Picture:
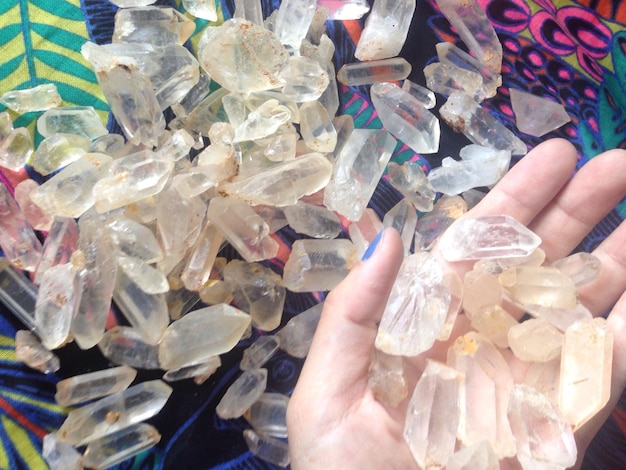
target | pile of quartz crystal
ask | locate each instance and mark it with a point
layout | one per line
(138, 222)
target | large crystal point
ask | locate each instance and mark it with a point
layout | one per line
(297, 335)
(385, 30)
(57, 151)
(365, 73)
(17, 238)
(125, 346)
(39, 98)
(18, 294)
(243, 228)
(80, 120)
(543, 436)
(417, 308)
(358, 169)
(314, 221)
(585, 383)
(243, 392)
(61, 242)
(114, 412)
(318, 265)
(85, 387)
(129, 92)
(293, 20)
(465, 115)
(535, 115)
(120, 445)
(153, 25)
(30, 351)
(494, 236)
(242, 56)
(406, 118)
(433, 415)
(475, 29)
(201, 334)
(412, 182)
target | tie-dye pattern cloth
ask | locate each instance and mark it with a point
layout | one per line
(573, 52)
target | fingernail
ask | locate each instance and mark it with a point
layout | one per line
(372, 247)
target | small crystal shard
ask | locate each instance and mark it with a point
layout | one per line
(535, 340)
(30, 351)
(268, 415)
(115, 412)
(267, 448)
(118, 446)
(318, 265)
(433, 415)
(125, 346)
(81, 120)
(535, 115)
(403, 218)
(495, 236)
(314, 221)
(412, 182)
(60, 455)
(585, 383)
(85, 387)
(201, 334)
(386, 378)
(297, 335)
(539, 285)
(365, 73)
(39, 98)
(244, 391)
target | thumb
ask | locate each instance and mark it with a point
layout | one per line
(339, 357)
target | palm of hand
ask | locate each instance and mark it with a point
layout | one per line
(334, 420)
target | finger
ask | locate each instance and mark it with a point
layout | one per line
(600, 294)
(340, 352)
(583, 202)
(532, 183)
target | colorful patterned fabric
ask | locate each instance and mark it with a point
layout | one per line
(571, 51)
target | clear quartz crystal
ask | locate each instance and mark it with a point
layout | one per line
(580, 267)
(201, 334)
(386, 29)
(495, 323)
(203, 369)
(386, 378)
(357, 171)
(318, 265)
(60, 455)
(316, 127)
(116, 447)
(204, 9)
(267, 448)
(305, 79)
(544, 377)
(124, 345)
(539, 285)
(16, 149)
(297, 335)
(535, 115)
(243, 392)
(85, 387)
(477, 456)
(36, 217)
(433, 415)
(153, 25)
(202, 257)
(406, 118)
(293, 20)
(412, 182)
(39, 98)
(18, 294)
(314, 221)
(81, 120)
(403, 218)
(30, 351)
(259, 352)
(149, 279)
(365, 73)
(363, 231)
(344, 9)
(61, 242)
(446, 79)
(249, 10)
(465, 115)
(535, 340)
(482, 291)
(417, 308)
(268, 415)
(57, 151)
(115, 412)
(420, 93)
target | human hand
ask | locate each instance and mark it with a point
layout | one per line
(333, 418)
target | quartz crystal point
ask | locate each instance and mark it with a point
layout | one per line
(535, 340)
(363, 231)
(585, 383)
(453, 282)
(181, 301)
(249, 10)
(204, 369)
(145, 312)
(472, 25)
(543, 436)
(316, 128)
(406, 118)
(263, 121)
(148, 279)
(16, 149)
(344, 125)
(465, 115)
(202, 257)
(429, 229)
(39, 98)
(268, 415)
(204, 9)
(201, 334)
(580, 267)
(386, 29)
(258, 291)
(494, 236)
(61, 242)
(131, 179)
(244, 229)
(495, 323)
(357, 171)
(482, 291)
(259, 352)
(60, 455)
(36, 217)
(318, 265)
(243, 392)
(477, 456)
(129, 92)
(535, 115)
(118, 446)
(386, 378)
(403, 218)
(283, 184)
(30, 351)
(57, 302)
(18, 294)
(297, 335)
(484, 394)
(267, 448)
(412, 182)
(134, 239)
(215, 292)
(115, 412)
(420, 93)
(561, 318)
(242, 56)
(305, 79)
(57, 151)
(433, 415)
(365, 73)
(344, 9)
(70, 193)
(293, 20)
(80, 120)
(314, 221)
(447, 79)
(125, 346)
(539, 285)
(17, 238)
(417, 308)
(153, 25)
(545, 377)
(85, 387)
